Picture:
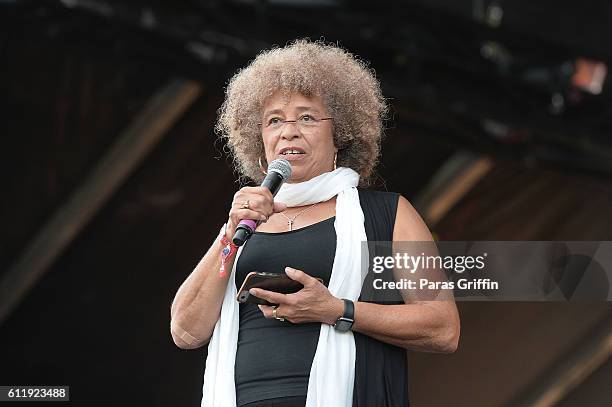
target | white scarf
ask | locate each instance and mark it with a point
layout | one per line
(333, 368)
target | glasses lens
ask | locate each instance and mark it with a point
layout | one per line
(307, 121)
(305, 124)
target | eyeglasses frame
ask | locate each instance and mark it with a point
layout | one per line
(261, 125)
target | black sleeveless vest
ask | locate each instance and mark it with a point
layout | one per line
(381, 369)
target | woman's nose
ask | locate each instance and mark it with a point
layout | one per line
(290, 131)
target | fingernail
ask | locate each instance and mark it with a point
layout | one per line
(289, 270)
(252, 291)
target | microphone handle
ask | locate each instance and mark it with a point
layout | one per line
(273, 182)
(243, 232)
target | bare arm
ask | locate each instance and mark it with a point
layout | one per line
(427, 326)
(197, 304)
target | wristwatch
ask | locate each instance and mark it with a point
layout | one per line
(345, 322)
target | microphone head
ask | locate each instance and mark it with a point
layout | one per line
(281, 167)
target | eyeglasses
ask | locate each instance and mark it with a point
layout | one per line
(306, 123)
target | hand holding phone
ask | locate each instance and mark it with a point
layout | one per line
(277, 282)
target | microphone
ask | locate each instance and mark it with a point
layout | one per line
(279, 171)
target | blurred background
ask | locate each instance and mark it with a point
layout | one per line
(115, 184)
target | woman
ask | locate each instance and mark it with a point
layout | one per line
(321, 109)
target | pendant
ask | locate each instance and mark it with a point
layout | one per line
(290, 222)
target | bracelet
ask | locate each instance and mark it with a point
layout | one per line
(229, 249)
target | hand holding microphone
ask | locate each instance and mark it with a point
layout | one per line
(252, 205)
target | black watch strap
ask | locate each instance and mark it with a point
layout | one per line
(345, 322)
(349, 309)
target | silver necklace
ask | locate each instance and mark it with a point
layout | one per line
(291, 220)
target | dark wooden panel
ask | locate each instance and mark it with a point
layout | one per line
(504, 347)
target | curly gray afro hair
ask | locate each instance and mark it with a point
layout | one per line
(348, 88)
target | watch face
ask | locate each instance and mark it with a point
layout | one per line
(343, 324)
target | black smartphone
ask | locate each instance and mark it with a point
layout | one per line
(277, 282)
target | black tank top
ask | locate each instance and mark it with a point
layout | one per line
(273, 358)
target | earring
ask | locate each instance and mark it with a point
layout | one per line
(335, 159)
(261, 167)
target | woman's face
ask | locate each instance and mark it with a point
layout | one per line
(308, 143)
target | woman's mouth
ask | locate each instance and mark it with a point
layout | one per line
(291, 153)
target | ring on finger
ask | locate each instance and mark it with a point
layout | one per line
(274, 314)
(245, 205)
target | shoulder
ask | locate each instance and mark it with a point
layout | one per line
(379, 210)
(372, 196)
(408, 223)
(390, 216)
(379, 203)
